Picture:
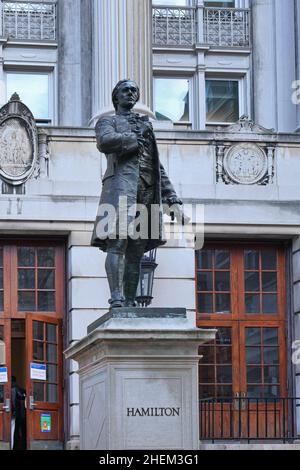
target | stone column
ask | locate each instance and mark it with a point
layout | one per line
(74, 62)
(122, 49)
(297, 77)
(274, 64)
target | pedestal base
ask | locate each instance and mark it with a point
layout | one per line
(138, 373)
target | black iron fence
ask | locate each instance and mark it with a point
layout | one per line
(249, 419)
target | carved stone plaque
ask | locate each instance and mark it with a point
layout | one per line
(245, 163)
(15, 148)
(18, 142)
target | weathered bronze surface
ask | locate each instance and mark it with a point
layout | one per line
(135, 172)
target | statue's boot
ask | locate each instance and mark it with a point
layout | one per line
(131, 280)
(114, 266)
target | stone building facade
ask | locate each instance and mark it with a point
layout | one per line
(233, 145)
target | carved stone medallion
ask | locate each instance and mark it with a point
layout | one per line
(18, 142)
(245, 163)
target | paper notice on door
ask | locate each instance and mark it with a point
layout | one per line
(45, 423)
(3, 375)
(38, 371)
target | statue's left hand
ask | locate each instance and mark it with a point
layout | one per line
(177, 212)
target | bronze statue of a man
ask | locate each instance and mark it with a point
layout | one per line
(135, 172)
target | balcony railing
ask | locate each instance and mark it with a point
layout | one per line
(227, 27)
(186, 26)
(33, 20)
(250, 419)
(174, 26)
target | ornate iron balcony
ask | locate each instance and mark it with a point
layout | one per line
(186, 26)
(29, 20)
(227, 27)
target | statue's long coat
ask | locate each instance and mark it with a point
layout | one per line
(116, 139)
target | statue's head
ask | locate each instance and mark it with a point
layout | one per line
(126, 93)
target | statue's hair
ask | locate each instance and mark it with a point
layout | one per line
(117, 87)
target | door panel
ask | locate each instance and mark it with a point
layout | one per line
(5, 388)
(44, 405)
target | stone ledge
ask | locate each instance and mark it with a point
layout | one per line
(137, 313)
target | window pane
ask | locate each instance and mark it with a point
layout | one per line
(205, 281)
(252, 283)
(251, 259)
(51, 353)
(33, 90)
(270, 336)
(51, 393)
(205, 303)
(223, 336)
(51, 333)
(208, 355)
(205, 259)
(26, 301)
(271, 391)
(38, 391)
(271, 375)
(1, 393)
(46, 301)
(170, 2)
(254, 375)
(222, 303)
(207, 374)
(51, 373)
(268, 259)
(222, 101)
(224, 391)
(218, 3)
(1, 332)
(46, 279)
(271, 356)
(252, 303)
(1, 278)
(253, 336)
(26, 257)
(1, 256)
(253, 355)
(269, 282)
(224, 374)
(254, 391)
(38, 330)
(1, 301)
(206, 391)
(26, 279)
(38, 351)
(171, 99)
(46, 257)
(269, 304)
(224, 355)
(222, 259)
(222, 281)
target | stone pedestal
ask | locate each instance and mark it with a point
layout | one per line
(138, 372)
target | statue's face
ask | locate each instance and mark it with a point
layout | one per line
(127, 95)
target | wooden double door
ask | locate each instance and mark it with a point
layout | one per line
(242, 375)
(31, 312)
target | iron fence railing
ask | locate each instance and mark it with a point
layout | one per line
(249, 419)
(186, 26)
(34, 20)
